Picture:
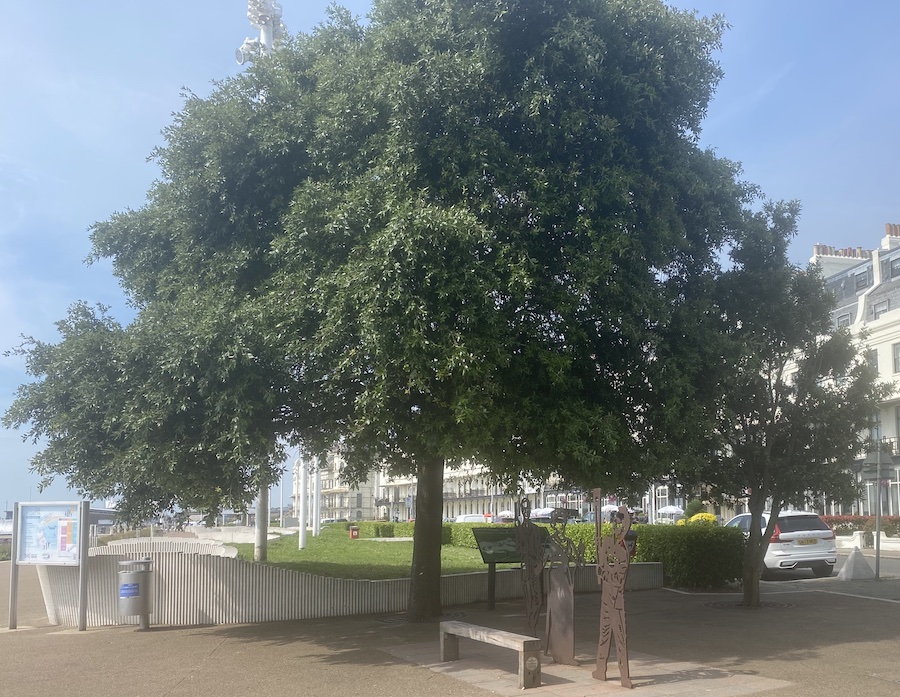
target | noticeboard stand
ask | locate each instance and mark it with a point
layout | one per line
(498, 546)
(492, 585)
(14, 572)
(29, 548)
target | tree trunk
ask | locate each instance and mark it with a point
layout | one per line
(756, 548)
(425, 575)
(260, 548)
(752, 570)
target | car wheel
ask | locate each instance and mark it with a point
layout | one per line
(823, 570)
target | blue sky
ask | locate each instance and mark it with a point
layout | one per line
(809, 105)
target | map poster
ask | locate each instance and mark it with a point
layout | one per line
(48, 533)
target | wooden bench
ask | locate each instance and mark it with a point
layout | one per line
(529, 647)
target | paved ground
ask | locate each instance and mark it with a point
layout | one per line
(812, 637)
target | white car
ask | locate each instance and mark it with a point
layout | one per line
(801, 540)
(471, 518)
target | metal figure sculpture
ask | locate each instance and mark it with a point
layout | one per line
(562, 553)
(531, 552)
(613, 559)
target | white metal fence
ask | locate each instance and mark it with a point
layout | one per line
(190, 588)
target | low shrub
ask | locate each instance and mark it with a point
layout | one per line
(848, 524)
(5, 550)
(375, 528)
(694, 507)
(890, 525)
(698, 557)
(461, 535)
(384, 528)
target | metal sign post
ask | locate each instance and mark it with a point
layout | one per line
(14, 570)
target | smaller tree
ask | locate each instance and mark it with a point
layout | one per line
(796, 395)
(175, 411)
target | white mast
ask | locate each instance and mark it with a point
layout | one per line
(264, 15)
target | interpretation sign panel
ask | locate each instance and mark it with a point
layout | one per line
(48, 533)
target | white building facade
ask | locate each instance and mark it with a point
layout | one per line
(468, 490)
(866, 285)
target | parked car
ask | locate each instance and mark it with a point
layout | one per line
(471, 518)
(800, 540)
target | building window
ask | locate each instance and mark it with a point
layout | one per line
(359, 500)
(843, 320)
(862, 280)
(895, 267)
(880, 308)
(872, 359)
(896, 351)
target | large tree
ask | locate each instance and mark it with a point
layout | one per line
(507, 241)
(796, 395)
(462, 230)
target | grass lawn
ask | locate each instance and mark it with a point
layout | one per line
(334, 554)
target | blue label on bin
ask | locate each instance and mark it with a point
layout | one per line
(129, 590)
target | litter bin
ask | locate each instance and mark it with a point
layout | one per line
(354, 532)
(134, 589)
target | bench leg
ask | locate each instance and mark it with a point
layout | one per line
(449, 647)
(529, 669)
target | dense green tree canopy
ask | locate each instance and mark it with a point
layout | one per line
(796, 398)
(463, 229)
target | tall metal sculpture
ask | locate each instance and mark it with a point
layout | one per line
(562, 553)
(613, 559)
(531, 552)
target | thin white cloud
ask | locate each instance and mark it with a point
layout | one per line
(749, 99)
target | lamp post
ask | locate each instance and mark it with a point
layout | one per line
(874, 458)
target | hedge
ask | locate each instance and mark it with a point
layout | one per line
(848, 524)
(697, 557)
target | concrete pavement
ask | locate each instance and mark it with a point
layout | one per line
(812, 637)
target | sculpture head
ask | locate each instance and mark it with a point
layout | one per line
(621, 523)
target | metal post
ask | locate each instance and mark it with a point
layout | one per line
(83, 547)
(14, 568)
(303, 498)
(878, 510)
(492, 585)
(317, 497)
(261, 529)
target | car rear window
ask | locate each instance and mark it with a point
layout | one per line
(795, 523)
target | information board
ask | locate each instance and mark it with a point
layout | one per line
(498, 544)
(48, 533)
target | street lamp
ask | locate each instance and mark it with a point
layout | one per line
(874, 458)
